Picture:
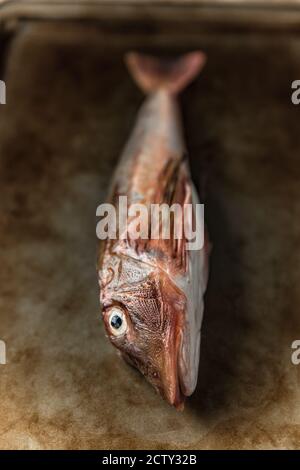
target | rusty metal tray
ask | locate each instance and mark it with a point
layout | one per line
(70, 106)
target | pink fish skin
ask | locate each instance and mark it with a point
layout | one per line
(151, 291)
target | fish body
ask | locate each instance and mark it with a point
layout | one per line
(151, 290)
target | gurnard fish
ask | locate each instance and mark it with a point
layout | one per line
(151, 291)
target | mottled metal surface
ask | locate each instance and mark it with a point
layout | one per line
(70, 106)
(211, 15)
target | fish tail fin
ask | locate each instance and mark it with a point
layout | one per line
(152, 73)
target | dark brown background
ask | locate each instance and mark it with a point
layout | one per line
(70, 107)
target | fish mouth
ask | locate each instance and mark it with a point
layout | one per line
(165, 379)
(170, 387)
(171, 391)
(163, 375)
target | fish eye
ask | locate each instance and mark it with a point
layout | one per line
(117, 321)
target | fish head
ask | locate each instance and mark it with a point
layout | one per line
(142, 311)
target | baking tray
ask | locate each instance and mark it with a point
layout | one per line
(70, 107)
